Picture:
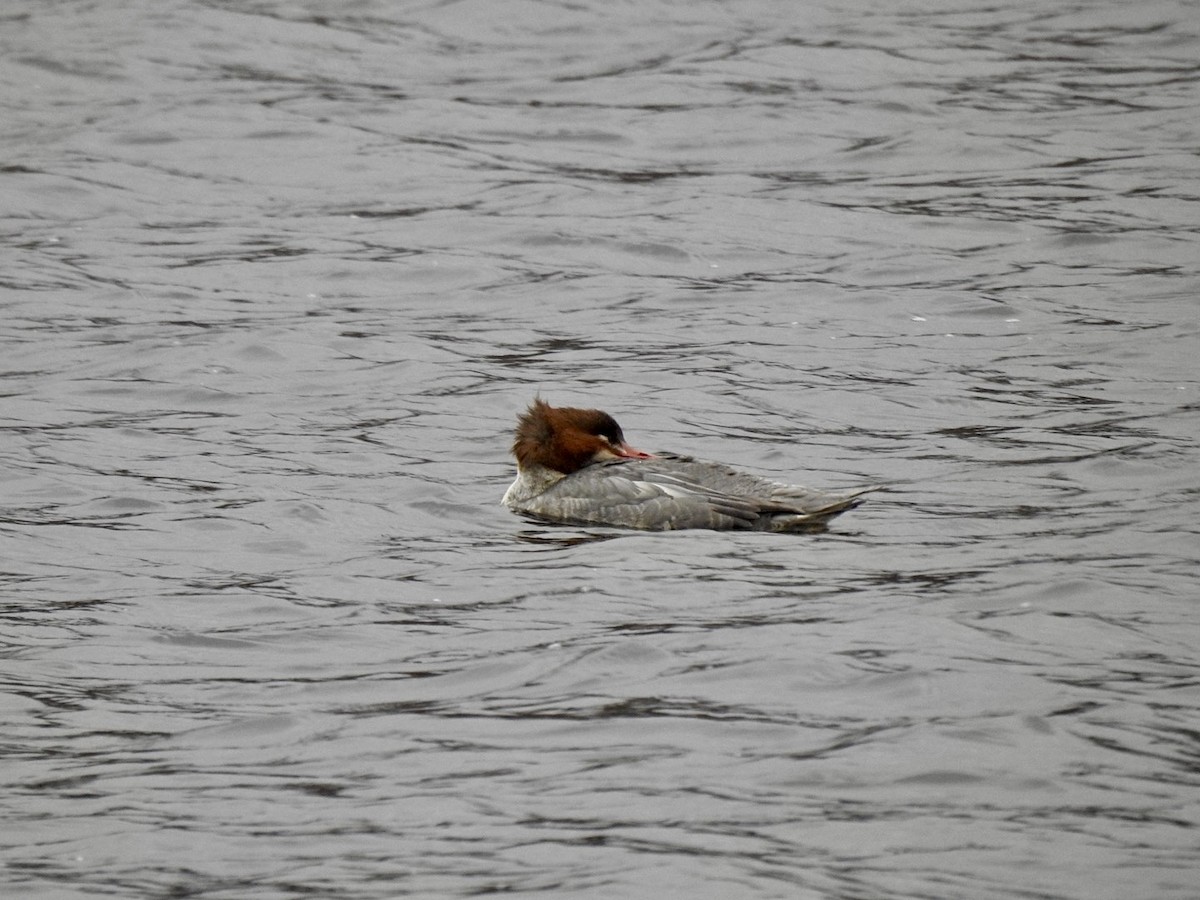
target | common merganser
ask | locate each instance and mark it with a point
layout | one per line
(574, 466)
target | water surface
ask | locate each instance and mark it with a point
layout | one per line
(277, 278)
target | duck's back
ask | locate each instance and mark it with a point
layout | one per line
(675, 492)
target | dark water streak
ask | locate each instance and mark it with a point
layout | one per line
(276, 278)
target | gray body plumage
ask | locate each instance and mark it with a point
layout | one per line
(673, 492)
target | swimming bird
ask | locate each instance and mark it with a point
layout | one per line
(574, 466)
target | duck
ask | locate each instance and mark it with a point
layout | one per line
(574, 467)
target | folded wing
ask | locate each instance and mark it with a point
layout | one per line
(672, 492)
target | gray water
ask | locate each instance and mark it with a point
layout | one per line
(277, 276)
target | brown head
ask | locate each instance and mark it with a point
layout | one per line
(566, 439)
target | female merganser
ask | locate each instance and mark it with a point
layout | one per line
(573, 466)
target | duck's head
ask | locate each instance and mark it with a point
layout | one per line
(566, 439)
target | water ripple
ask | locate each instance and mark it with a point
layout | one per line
(277, 280)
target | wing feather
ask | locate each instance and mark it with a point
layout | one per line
(671, 492)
